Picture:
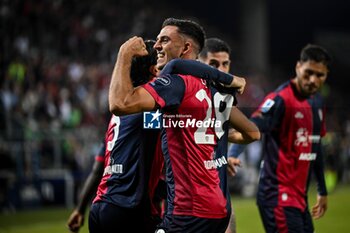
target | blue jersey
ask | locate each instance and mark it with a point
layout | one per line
(128, 160)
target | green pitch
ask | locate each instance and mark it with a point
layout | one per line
(337, 218)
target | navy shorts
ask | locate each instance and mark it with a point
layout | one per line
(286, 219)
(108, 218)
(190, 224)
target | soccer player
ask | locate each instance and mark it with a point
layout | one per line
(292, 119)
(194, 134)
(140, 73)
(122, 193)
(216, 53)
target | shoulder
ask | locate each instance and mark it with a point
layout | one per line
(167, 80)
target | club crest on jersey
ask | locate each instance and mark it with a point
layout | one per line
(267, 105)
(152, 120)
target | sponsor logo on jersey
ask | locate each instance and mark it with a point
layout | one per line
(215, 163)
(307, 156)
(304, 139)
(315, 138)
(163, 80)
(266, 106)
(299, 115)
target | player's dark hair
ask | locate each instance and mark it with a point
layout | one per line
(315, 53)
(214, 45)
(189, 28)
(140, 66)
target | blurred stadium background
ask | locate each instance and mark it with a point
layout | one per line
(56, 59)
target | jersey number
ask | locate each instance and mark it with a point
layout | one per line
(201, 136)
(115, 120)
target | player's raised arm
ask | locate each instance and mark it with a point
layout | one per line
(123, 97)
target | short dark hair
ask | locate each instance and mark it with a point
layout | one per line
(140, 66)
(312, 52)
(189, 28)
(214, 45)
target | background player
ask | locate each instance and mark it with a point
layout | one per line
(293, 122)
(216, 53)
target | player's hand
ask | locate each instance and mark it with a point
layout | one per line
(320, 208)
(134, 47)
(238, 83)
(233, 163)
(75, 221)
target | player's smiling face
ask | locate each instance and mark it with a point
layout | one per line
(310, 76)
(169, 45)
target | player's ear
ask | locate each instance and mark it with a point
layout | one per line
(186, 48)
(153, 71)
(297, 68)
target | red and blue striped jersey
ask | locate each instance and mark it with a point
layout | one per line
(293, 126)
(192, 130)
(128, 161)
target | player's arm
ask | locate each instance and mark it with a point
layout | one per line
(319, 209)
(264, 119)
(123, 97)
(76, 219)
(244, 131)
(204, 71)
(267, 117)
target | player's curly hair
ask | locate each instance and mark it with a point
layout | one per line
(140, 67)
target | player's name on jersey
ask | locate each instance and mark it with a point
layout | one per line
(114, 169)
(307, 156)
(215, 163)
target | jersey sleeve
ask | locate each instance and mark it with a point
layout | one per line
(235, 150)
(269, 114)
(197, 69)
(319, 172)
(323, 123)
(167, 90)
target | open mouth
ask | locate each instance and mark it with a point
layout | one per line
(160, 55)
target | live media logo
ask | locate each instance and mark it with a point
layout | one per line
(152, 120)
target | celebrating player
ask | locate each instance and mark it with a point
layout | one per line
(195, 143)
